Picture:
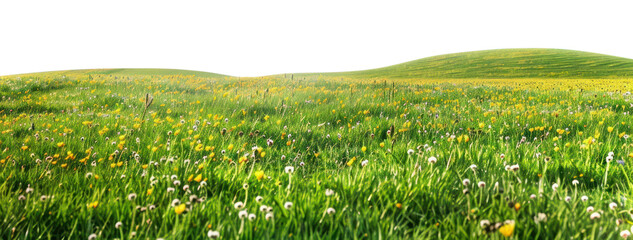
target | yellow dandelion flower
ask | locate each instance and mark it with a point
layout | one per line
(180, 208)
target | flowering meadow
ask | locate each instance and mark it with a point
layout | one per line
(111, 155)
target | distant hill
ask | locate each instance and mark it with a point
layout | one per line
(504, 63)
(135, 71)
(501, 63)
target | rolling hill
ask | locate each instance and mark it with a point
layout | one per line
(504, 63)
(134, 71)
(500, 63)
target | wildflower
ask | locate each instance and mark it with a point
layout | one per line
(238, 205)
(288, 205)
(29, 190)
(575, 182)
(117, 225)
(567, 199)
(466, 182)
(584, 198)
(481, 184)
(613, 205)
(555, 186)
(213, 234)
(625, 234)
(432, 160)
(21, 198)
(131, 196)
(594, 215)
(259, 198)
(329, 192)
(484, 223)
(609, 159)
(514, 167)
(269, 216)
(473, 167)
(251, 217)
(410, 151)
(330, 211)
(263, 208)
(176, 183)
(540, 217)
(170, 189)
(242, 214)
(180, 208)
(533, 196)
(364, 163)
(590, 209)
(92, 236)
(507, 229)
(289, 169)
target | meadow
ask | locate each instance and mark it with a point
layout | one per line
(148, 154)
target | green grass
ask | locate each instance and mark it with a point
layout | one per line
(75, 146)
(504, 63)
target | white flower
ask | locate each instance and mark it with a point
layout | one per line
(590, 209)
(364, 163)
(555, 186)
(481, 184)
(533, 196)
(131, 196)
(213, 234)
(613, 205)
(251, 217)
(175, 202)
(242, 214)
(259, 199)
(117, 225)
(594, 215)
(238, 205)
(484, 223)
(330, 211)
(567, 199)
(625, 234)
(92, 236)
(432, 160)
(514, 167)
(507, 167)
(473, 167)
(329, 192)
(263, 208)
(288, 205)
(584, 198)
(289, 169)
(609, 159)
(610, 154)
(88, 175)
(466, 182)
(269, 216)
(29, 190)
(410, 151)
(575, 182)
(176, 183)
(540, 217)
(170, 189)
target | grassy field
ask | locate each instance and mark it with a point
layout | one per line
(105, 154)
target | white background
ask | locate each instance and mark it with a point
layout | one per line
(253, 38)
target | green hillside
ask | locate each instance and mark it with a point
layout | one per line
(505, 63)
(136, 71)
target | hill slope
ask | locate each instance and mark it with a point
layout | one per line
(505, 63)
(135, 71)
